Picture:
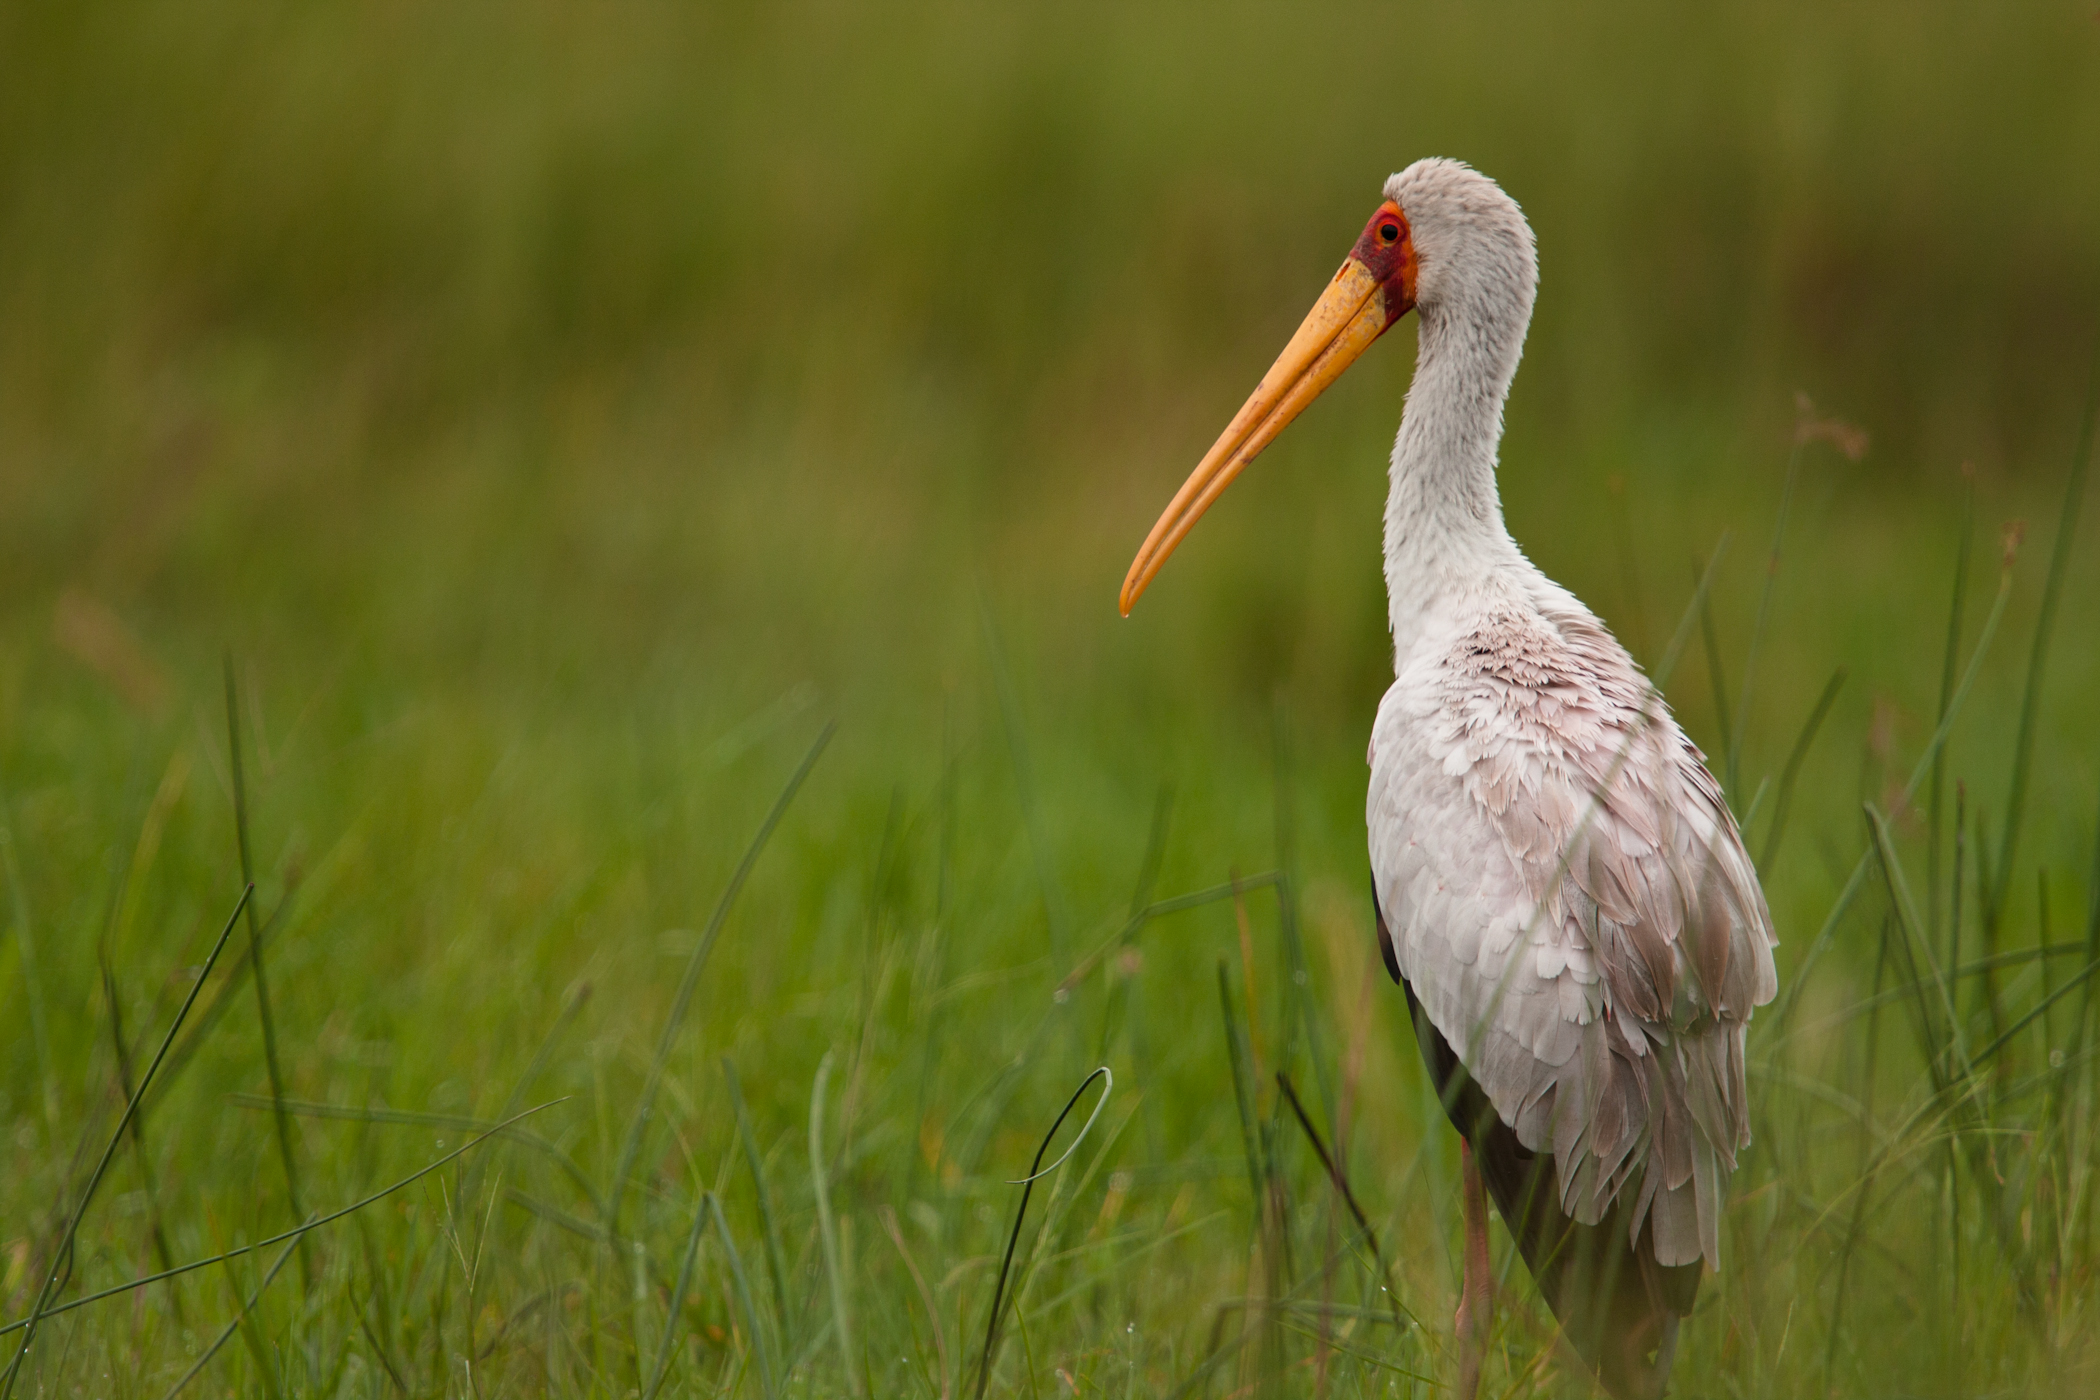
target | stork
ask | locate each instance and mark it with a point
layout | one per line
(1559, 886)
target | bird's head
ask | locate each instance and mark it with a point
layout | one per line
(1442, 234)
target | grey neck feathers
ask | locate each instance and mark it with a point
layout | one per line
(1443, 516)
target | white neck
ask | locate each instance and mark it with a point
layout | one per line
(1445, 542)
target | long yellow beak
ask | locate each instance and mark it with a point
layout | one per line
(1350, 314)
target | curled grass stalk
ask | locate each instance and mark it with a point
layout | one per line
(1027, 1185)
(1064, 1196)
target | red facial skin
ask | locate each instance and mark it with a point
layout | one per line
(1387, 250)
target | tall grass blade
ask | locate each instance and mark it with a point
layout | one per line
(1160, 909)
(240, 1320)
(767, 1224)
(1764, 616)
(1155, 848)
(2038, 1010)
(262, 986)
(61, 1257)
(1301, 1019)
(834, 1267)
(1986, 883)
(1341, 1186)
(554, 1215)
(572, 1005)
(28, 1323)
(933, 1310)
(139, 1154)
(1783, 800)
(2042, 940)
(263, 1363)
(690, 982)
(2038, 654)
(1667, 665)
(1237, 1051)
(1791, 997)
(1949, 1052)
(222, 1001)
(766, 1370)
(1954, 900)
(2092, 938)
(685, 1279)
(1866, 1170)
(1949, 660)
(300, 1108)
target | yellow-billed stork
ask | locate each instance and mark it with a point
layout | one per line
(1560, 888)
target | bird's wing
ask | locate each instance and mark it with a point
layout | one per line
(1567, 894)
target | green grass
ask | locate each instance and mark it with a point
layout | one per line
(563, 416)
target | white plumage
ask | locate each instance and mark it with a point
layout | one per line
(1561, 884)
(1565, 888)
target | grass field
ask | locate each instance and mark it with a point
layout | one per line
(564, 439)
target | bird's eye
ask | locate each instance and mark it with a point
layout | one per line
(1388, 232)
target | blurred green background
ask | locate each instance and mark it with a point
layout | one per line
(560, 412)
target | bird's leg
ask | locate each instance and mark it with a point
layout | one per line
(1476, 1298)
